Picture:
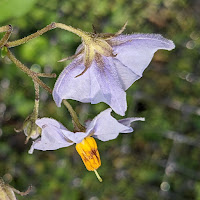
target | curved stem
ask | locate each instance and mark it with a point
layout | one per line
(5, 38)
(34, 115)
(78, 32)
(4, 28)
(27, 71)
(37, 98)
(46, 75)
(21, 193)
(74, 116)
(32, 36)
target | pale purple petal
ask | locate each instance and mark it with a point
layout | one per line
(52, 123)
(136, 51)
(52, 136)
(96, 93)
(151, 40)
(68, 86)
(106, 81)
(79, 48)
(104, 127)
(76, 137)
(111, 88)
(127, 122)
(51, 139)
(126, 76)
(84, 88)
(43, 122)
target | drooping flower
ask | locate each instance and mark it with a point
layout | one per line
(105, 66)
(103, 127)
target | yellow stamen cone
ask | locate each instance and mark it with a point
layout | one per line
(89, 153)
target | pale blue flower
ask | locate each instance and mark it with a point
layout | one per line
(104, 67)
(103, 127)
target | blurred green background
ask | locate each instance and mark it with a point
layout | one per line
(161, 159)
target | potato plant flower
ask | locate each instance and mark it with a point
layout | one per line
(105, 66)
(103, 127)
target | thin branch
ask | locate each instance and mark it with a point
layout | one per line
(74, 116)
(4, 28)
(34, 115)
(53, 75)
(32, 36)
(22, 193)
(78, 32)
(37, 98)
(5, 38)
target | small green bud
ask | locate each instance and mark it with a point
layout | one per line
(4, 51)
(31, 130)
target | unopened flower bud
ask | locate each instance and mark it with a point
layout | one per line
(31, 130)
(89, 153)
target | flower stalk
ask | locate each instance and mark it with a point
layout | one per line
(31, 129)
(78, 32)
(75, 120)
(37, 98)
(4, 28)
(32, 36)
(8, 30)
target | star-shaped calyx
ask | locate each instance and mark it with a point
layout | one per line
(94, 45)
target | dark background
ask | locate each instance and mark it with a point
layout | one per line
(161, 159)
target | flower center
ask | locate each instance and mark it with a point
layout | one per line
(94, 44)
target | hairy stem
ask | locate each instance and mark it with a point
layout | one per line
(74, 116)
(34, 115)
(4, 28)
(22, 193)
(5, 38)
(46, 75)
(37, 98)
(32, 36)
(78, 32)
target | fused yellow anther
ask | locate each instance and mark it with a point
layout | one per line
(88, 151)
